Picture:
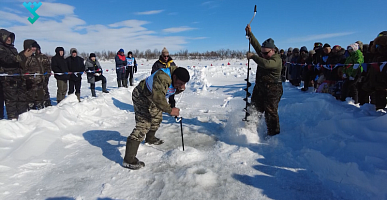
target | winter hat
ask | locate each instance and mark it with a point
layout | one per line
(121, 50)
(382, 33)
(269, 43)
(312, 52)
(337, 46)
(354, 46)
(130, 53)
(296, 50)
(360, 43)
(304, 49)
(290, 49)
(317, 44)
(28, 43)
(326, 45)
(92, 55)
(282, 51)
(182, 74)
(165, 51)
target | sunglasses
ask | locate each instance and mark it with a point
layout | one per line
(265, 53)
(165, 56)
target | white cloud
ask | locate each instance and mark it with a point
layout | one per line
(318, 37)
(54, 9)
(151, 12)
(129, 23)
(69, 31)
(198, 38)
(207, 2)
(178, 29)
(12, 10)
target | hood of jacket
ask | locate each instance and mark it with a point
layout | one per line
(28, 43)
(59, 49)
(4, 34)
(73, 49)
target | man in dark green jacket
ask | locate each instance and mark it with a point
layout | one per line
(149, 102)
(268, 87)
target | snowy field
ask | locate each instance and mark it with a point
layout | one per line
(327, 149)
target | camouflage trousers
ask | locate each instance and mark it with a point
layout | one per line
(33, 95)
(148, 117)
(14, 104)
(265, 98)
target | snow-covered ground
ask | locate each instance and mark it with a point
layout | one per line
(327, 149)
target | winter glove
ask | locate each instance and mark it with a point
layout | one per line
(97, 74)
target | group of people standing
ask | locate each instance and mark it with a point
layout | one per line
(125, 68)
(24, 76)
(355, 72)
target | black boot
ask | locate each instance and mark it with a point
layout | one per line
(104, 90)
(93, 93)
(119, 83)
(131, 81)
(78, 96)
(151, 139)
(125, 83)
(130, 160)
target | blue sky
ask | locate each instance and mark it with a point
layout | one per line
(193, 25)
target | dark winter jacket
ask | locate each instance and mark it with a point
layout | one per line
(334, 58)
(95, 69)
(296, 67)
(161, 64)
(9, 58)
(75, 64)
(268, 70)
(120, 64)
(376, 79)
(59, 65)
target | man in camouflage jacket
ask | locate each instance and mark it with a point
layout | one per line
(149, 102)
(268, 89)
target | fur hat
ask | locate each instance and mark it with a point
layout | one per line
(354, 46)
(312, 52)
(92, 55)
(290, 49)
(296, 50)
(360, 43)
(165, 51)
(182, 74)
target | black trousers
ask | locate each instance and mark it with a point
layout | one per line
(75, 84)
(98, 78)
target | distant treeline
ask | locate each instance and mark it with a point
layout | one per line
(182, 54)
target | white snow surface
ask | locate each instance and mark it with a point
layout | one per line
(327, 149)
